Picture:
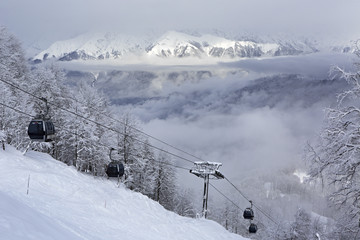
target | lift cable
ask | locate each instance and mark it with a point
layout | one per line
(83, 137)
(166, 163)
(17, 110)
(257, 207)
(97, 123)
(138, 140)
(226, 197)
(237, 189)
(121, 122)
(146, 134)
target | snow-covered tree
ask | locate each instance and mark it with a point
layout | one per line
(47, 83)
(13, 70)
(144, 170)
(8, 117)
(79, 140)
(301, 226)
(90, 141)
(165, 177)
(184, 203)
(12, 58)
(127, 141)
(232, 219)
(335, 157)
(2, 139)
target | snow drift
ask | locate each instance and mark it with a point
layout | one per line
(63, 203)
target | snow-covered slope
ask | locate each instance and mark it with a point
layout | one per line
(171, 44)
(19, 221)
(63, 203)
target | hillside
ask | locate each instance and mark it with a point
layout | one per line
(63, 203)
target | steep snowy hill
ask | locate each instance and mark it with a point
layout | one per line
(63, 203)
(171, 44)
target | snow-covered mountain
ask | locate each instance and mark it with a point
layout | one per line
(177, 44)
(93, 46)
(171, 44)
(63, 203)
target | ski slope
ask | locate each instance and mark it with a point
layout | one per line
(63, 203)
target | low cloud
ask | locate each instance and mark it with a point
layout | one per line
(262, 139)
(254, 123)
(317, 65)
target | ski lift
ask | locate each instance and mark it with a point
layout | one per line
(114, 168)
(253, 228)
(41, 129)
(249, 213)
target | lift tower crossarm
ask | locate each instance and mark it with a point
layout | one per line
(201, 169)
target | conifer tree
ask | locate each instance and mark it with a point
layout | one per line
(89, 140)
(47, 84)
(165, 186)
(14, 70)
(184, 203)
(145, 170)
(129, 148)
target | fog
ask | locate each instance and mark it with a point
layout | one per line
(262, 139)
(255, 121)
(251, 115)
(250, 142)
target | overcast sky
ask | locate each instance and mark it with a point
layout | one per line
(51, 20)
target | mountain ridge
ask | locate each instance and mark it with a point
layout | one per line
(172, 44)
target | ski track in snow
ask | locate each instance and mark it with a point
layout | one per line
(65, 204)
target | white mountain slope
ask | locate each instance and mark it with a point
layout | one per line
(63, 203)
(172, 44)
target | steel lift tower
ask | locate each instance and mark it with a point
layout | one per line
(206, 170)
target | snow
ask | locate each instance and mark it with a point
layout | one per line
(19, 221)
(301, 175)
(63, 203)
(269, 47)
(172, 39)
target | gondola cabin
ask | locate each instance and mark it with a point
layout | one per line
(41, 130)
(248, 214)
(253, 228)
(115, 169)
